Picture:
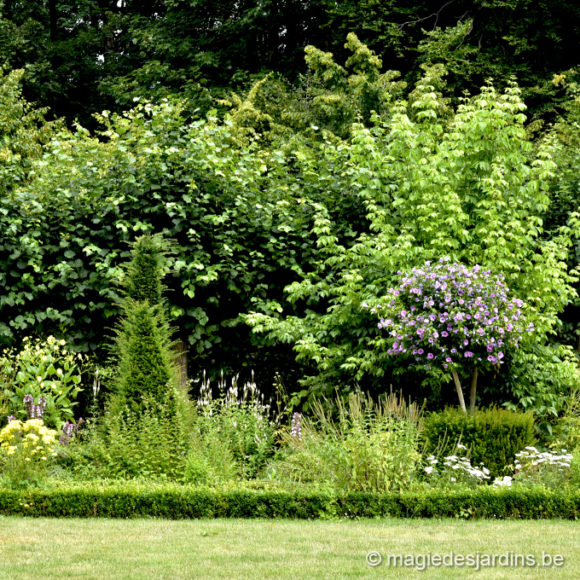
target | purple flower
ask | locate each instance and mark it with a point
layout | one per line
(468, 307)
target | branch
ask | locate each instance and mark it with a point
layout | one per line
(434, 15)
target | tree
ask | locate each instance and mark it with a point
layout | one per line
(434, 180)
(146, 363)
(455, 318)
(85, 56)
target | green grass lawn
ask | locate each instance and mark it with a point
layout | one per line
(150, 549)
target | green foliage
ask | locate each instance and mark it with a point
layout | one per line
(144, 278)
(26, 449)
(42, 368)
(492, 436)
(334, 97)
(24, 132)
(201, 183)
(367, 446)
(144, 425)
(144, 443)
(287, 192)
(85, 56)
(566, 434)
(542, 380)
(182, 502)
(432, 181)
(146, 367)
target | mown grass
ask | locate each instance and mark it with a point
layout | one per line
(151, 549)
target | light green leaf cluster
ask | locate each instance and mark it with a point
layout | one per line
(433, 181)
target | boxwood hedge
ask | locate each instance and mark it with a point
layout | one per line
(182, 502)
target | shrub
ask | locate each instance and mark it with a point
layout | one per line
(145, 359)
(143, 429)
(145, 364)
(182, 502)
(367, 446)
(145, 443)
(26, 448)
(492, 436)
(42, 368)
(566, 434)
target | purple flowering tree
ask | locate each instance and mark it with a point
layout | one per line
(453, 317)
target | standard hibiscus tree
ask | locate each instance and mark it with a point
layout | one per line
(454, 317)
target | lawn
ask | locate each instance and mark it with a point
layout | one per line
(150, 549)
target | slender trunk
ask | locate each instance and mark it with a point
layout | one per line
(459, 391)
(181, 363)
(473, 390)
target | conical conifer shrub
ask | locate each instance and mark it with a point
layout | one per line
(146, 416)
(146, 367)
(144, 280)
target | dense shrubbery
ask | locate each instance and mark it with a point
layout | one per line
(354, 445)
(288, 218)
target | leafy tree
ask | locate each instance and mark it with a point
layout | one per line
(434, 181)
(23, 133)
(84, 56)
(455, 318)
(565, 189)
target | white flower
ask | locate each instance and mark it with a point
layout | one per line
(505, 481)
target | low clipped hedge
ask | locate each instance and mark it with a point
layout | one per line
(183, 502)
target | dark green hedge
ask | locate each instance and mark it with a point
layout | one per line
(493, 436)
(173, 502)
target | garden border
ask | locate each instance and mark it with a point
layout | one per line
(188, 502)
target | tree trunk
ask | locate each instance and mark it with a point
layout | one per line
(459, 391)
(181, 363)
(473, 390)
